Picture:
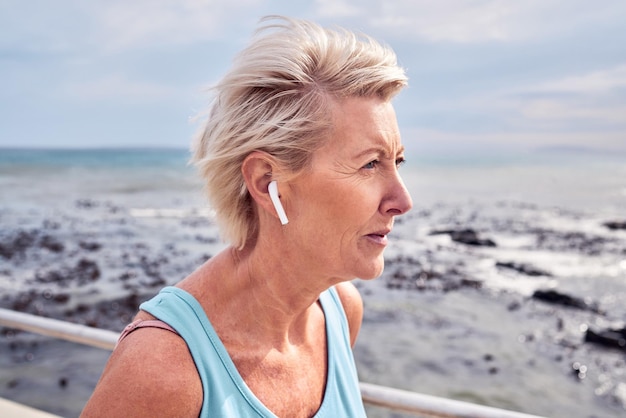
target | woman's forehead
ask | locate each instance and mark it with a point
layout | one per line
(365, 123)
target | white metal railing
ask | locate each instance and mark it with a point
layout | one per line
(59, 329)
(396, 399)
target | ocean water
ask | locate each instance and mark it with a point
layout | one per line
(53, 178)
(575, 181)
(445, 318)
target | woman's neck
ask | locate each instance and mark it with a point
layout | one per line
(267, 299)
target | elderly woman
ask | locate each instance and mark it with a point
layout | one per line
(300, 156)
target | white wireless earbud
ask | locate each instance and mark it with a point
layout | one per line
(273, 191)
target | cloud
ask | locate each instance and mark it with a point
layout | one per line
(433, 141)
(596, 99)
(586, 110)
(569, 114)
(336, 9)
(462, 21)
(118, 25)
(118, 88)
(598, 82)
(447, 21)
(157, 22)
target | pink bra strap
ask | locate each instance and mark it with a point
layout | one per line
(144, 323)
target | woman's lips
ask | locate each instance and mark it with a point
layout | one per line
(380, 239)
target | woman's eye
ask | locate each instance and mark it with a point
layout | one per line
(371, 165)
(400, 161)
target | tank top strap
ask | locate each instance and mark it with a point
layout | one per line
(144, 323)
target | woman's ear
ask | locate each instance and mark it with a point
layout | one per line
(259, 169)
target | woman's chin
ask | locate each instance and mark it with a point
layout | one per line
(373, 272)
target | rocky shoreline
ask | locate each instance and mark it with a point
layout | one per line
(95, 263)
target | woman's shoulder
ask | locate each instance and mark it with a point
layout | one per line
(150, 374)
(353, 307)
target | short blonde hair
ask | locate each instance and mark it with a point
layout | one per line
(276, 98)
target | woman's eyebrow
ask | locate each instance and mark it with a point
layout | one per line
(380, 150)
(372, 150)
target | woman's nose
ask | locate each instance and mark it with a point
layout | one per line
(398, 200)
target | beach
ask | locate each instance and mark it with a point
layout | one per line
(504, 286)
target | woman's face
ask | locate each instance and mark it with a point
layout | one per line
(342, 208)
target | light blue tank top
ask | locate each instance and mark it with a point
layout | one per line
(225, 392)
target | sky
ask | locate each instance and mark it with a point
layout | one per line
(484, 75)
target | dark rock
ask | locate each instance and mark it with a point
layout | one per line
(48, 224)
(514, 306)
(112, 208)
(471, 283)
(29, 302)
(465, 236)
(107, 314)
(50, 276)
(205, 239)
(523, 268)
(86, 204)
(128, 275)
(614, 338)
(557, 298)
(571, 241)
(615, 225)
(131, 302)
(22, 302)
(61, 298)
(90, 246)
(58, 297)
(560, 324)
(82, 308)
(414, 277)
(50, 243)
(86, 270)
(17, 244)
(152, 269)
